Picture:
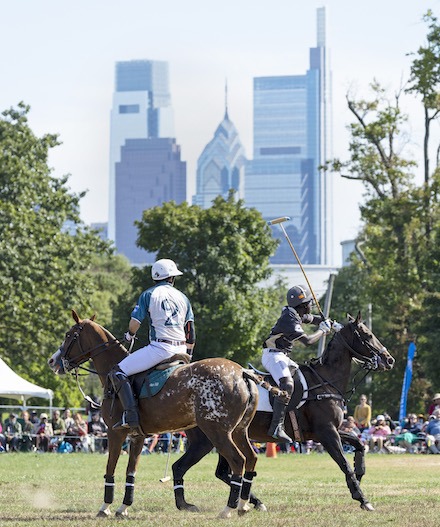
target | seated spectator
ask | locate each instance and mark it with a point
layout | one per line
(349, 426)
(410, 434)
(98, 433)
(68, 419)
(433, 433)
(389, 422)
(362, 414)
(27, 440)
(58, 424)
(43, 432)
(76, 435)
(13, 433)
(378, 434)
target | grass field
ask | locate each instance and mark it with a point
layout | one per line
(50, 490)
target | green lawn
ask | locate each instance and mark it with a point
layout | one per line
(48, 490)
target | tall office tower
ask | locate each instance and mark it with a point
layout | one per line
(291, 120)
(220, 167)
(141, 109)
(149, 173)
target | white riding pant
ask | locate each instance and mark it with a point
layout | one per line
(277, 364)
(148, 356)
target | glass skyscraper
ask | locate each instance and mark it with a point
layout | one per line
(291, 118)
(141, 110)
(145, 164)
(220, 167)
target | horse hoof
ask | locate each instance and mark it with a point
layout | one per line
(225, 513)
(189, 507)
(260, 507)
(367, 506)
(243, 507)
(103, 514)
(121, 515)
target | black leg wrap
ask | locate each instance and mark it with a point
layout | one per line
(234, 493)
(179, 491)
(129, 491)
(109, 489)
(359, 464)
(247, 484)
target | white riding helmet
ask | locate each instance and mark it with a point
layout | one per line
(164, 268)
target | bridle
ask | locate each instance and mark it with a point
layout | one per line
(70, 364)
(368, 363)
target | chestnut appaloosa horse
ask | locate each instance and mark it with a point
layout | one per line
(321, 396)
(216, 395)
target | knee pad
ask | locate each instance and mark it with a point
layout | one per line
(117, 377)
(286, 384)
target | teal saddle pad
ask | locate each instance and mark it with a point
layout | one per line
(149, 383)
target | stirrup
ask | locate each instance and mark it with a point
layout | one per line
(280, 434)
(124, 423)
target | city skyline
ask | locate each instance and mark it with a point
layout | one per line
(61, 63)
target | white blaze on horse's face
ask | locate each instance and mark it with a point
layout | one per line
(55, 363)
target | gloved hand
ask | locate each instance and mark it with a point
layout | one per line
(336, 326)
(325, 326)
(128, 337)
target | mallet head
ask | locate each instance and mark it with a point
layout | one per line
(278, 220)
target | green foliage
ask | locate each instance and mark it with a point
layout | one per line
(224, 254)
(399, 269)
(46, 256)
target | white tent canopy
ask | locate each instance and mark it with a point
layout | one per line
(13, 386)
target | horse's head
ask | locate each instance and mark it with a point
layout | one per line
(364, 346)
(79, 343)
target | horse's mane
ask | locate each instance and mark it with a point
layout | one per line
(109, 335)
(331, 346)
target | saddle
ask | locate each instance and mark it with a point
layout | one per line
(298, 398)
(150, 382)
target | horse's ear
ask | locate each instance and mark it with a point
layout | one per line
(358, 318)
(92, 318)
(350, 318)
(75, 316)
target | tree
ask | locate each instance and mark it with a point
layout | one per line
(45, 254)
(224, 254)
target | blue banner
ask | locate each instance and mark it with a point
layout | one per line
(407, 380)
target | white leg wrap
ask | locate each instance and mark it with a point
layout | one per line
(122, 510)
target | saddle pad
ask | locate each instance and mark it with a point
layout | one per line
(149, 384)
(299, 395)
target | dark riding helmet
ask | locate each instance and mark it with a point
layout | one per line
(297, 295)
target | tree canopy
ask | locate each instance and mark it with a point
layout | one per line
(46, 255)
(399, 268)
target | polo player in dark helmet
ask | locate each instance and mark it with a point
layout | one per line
(279, 344)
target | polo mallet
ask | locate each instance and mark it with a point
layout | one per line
(280, 222)
(165, 477)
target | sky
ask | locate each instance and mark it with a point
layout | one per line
(59, 57)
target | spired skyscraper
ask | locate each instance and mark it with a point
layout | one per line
(291, 121)
(145, 164)
(221, 165)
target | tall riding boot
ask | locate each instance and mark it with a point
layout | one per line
(276, 429)
(122, 386)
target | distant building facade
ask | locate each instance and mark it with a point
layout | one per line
(221, 165)
(149, 173)
(145, 164)
(291, 121)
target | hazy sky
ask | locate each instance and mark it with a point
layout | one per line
(59, 58)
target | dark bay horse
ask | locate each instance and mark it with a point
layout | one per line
(320, 415)
(216, 395)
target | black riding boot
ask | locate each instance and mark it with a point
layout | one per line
(276, 429)
(122, 386)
